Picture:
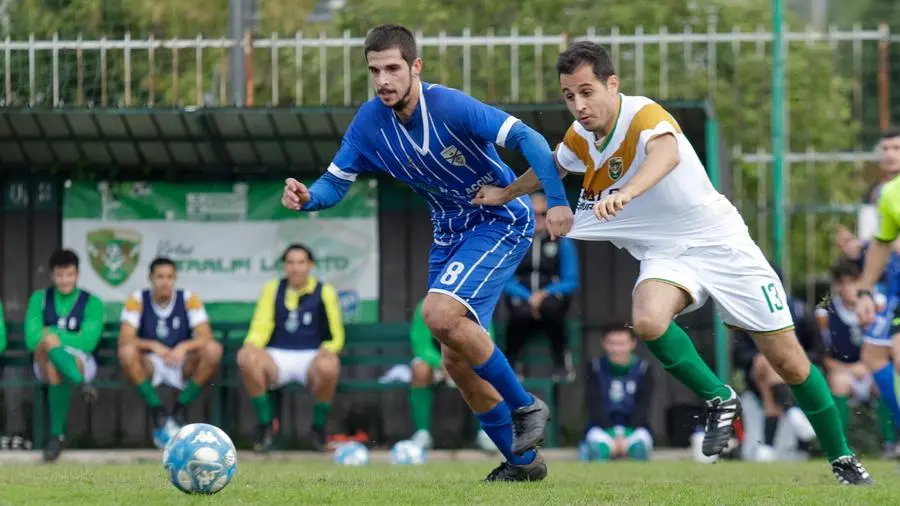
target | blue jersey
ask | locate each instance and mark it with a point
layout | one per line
(445, 152)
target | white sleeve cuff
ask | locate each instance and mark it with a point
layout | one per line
(336, 171)
(504, 131)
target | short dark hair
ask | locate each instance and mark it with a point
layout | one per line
(389, 36)
(297, 247)
(62, 258)
(586, 52)
(160, 262)
(616, 326)
(845, 268)
(890, 133)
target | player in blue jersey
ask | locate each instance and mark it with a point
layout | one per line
(881, 319)
(440, 142)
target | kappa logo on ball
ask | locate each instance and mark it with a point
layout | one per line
(114, 253)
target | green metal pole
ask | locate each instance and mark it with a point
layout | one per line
(720, 333)
(778, 220)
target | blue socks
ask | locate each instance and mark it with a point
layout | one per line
(497, 423)
(497, 371)
(884, 378)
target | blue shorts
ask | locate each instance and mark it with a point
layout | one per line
(475, 269)
(886, 324)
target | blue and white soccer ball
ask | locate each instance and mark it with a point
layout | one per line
(200, 459)
(352, 453)
(407, 452)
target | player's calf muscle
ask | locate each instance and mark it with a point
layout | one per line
(786, 356)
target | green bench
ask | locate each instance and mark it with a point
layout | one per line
(382, 345)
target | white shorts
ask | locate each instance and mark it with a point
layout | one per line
(292, 365)
(437, 375)
(89, 365)
(861, 389)
(746, 291)
(172, 375)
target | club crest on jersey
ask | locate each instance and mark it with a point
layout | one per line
(615, 167)
(453, 155)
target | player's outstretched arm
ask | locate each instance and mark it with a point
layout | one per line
(537, 151)
(662, 158)
(327, 191)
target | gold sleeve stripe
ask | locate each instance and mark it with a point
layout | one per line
(579, 146)
(620, 162)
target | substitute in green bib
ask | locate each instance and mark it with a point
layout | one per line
(617, 394)
(426, 374)
(296, 336)
(63, 325)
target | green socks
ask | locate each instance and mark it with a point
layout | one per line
(148, 393)
(420, 402)
(190, 392)
(840, 402)
(263, 408)
(58, 396)
(676, 352)
(814, 398)
(320, 414)
(886, 421)
(65, 364)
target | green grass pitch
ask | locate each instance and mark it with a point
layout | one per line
(445, 483)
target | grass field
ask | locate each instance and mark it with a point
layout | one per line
(445, 483)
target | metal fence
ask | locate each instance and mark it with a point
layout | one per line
(511, 67)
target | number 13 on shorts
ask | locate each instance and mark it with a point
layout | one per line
(772, 294)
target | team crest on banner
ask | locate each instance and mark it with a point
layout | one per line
(453, 155)
(114, 253)
(616, 165)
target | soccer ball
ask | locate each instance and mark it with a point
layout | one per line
(407, 452)
(353, 453)
(200, 459)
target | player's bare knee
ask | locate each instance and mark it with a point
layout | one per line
(421, 373)
(840, 383)
(650, 326)
(328, 366)
(248, 358)
(128, 355)
(212, 352)
(441, 315)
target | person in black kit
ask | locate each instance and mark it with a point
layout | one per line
(618, 386)
(539, 295)
(769, 387)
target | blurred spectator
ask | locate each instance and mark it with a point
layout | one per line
(771, 390)
(848, 377)
(426, 373)
(618, 387)
(165, 337)
(888, 168)
(63, 325)
(539, 295)
(295, 337)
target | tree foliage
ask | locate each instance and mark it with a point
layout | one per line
(818, 88)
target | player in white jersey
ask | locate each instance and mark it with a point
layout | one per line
(165, 337)
(646, 190)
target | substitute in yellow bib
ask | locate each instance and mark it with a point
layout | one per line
(295, 337)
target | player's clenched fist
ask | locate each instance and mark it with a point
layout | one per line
(489, 195)
(559, 221)
(295, 194)
(611, 204)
